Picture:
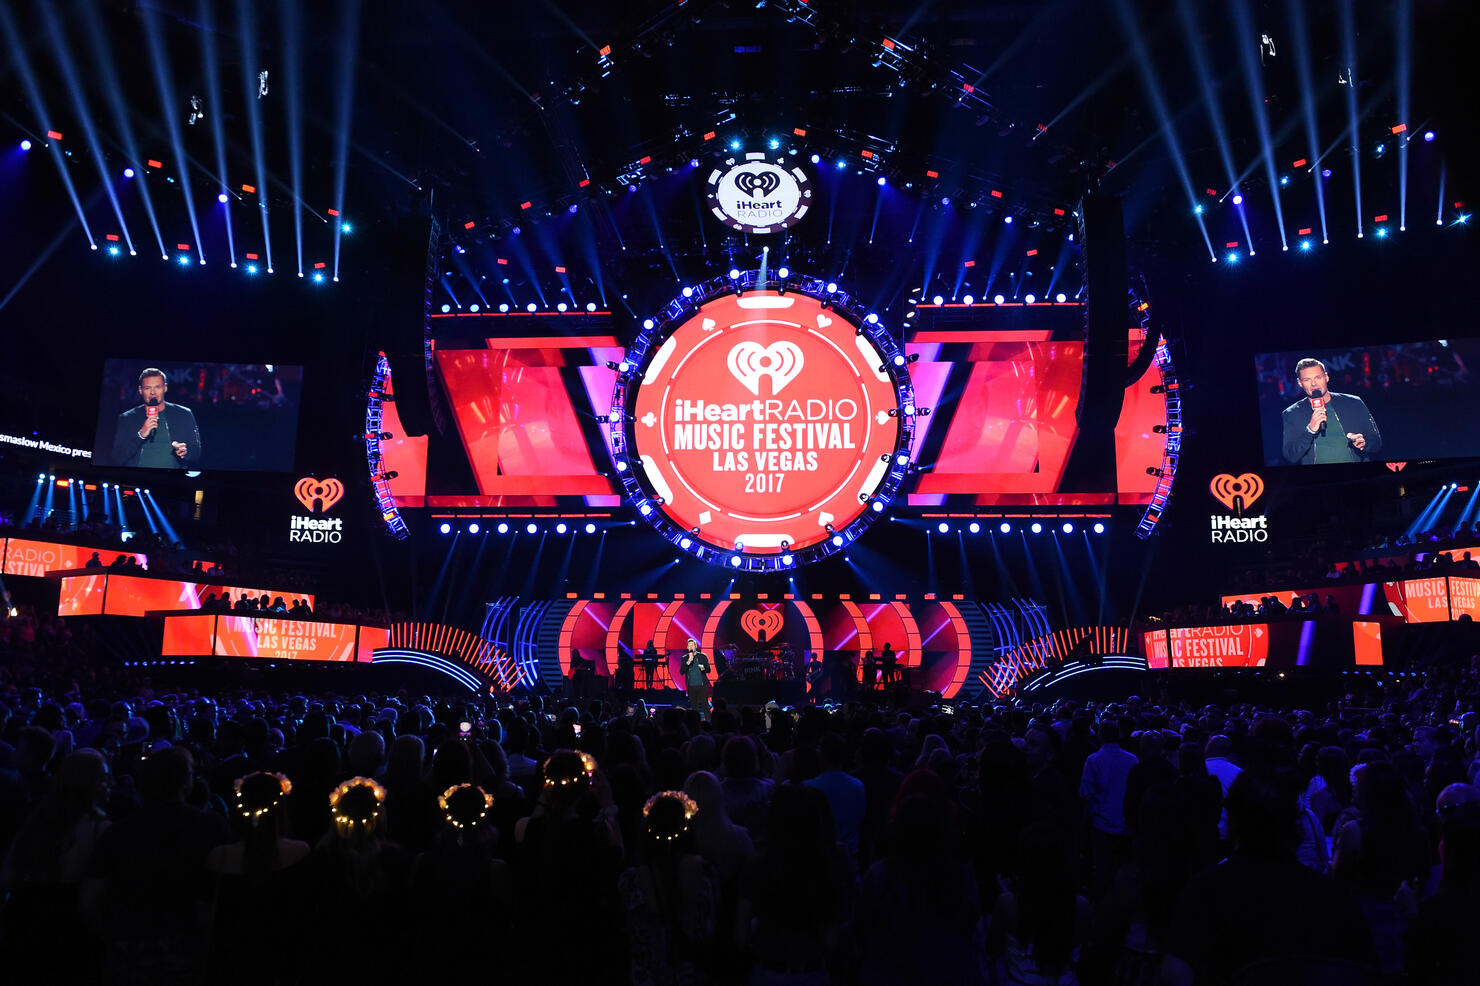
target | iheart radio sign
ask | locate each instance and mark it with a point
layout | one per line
(318, 497)
(763, 423)
(762, 621)
(1238, 494)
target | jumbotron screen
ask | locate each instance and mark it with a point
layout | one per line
(1398, 403)
(170, 414)
(529, 396)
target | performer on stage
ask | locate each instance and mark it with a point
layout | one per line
(649, 662)
(695, 667)
(1324, 427)
(156, 434)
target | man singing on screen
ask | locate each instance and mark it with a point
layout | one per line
(1324, 427)
(156, 434)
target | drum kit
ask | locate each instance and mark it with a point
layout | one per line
(763, 664)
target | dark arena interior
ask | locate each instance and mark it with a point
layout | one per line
(739, 492)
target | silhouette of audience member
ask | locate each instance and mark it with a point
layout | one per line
(918, 906)
(669, 898)
(153, 882)
(1440, 945)
(1039, 923)
(844, 792)
(1102, 787)
(44, 870)
(259, 884)
(1261, 914)
(746, 793)
(461, 868)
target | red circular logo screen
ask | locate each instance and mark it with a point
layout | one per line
(763, 420)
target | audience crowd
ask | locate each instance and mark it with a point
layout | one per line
(153, 837)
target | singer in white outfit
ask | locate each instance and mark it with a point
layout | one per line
(156, 434)
(1324, 427)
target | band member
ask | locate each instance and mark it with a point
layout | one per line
(1324, 427)
(649, 663)
(695, 666)
(889, 664)
(870, 673)
(816, 675)
(582, 675)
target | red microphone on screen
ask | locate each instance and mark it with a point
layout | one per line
(1318, 400)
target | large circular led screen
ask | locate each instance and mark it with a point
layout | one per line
(764, 422)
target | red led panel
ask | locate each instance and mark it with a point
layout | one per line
(1235, 646)
(283, 639)
(34, 559)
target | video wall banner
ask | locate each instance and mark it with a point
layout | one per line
(932, 640)
(1323, 406)
(34, 558)
(1310, 643)
(158, 413)
(268, 638)
(531, 409)
(114, 594)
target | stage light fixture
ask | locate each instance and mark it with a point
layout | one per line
(221, 197)
(883, 180)
(1007, 220)
(943, 527)
(787, 560)
(560, 528)
(1197, 210)
(1238, 200)
(446, 528)
(735, 561)
(503, 528)
(1382, 232)
(938, 300)
(503, 306)
(1099, 528)
(113, 250)
(1005, 527)
(1232, 256)
(530, 528)
(871, 318)
(878, 506)
(446, 309)
(621, 465)
(26, 146)
(783, 272)
(531, 308)
(1325, 172)
(998, 299)
(688, 292)
(901, 459)
(734, 145)
(974, 527)
(1030, 298)
(773, 143)
(562, 307)
(842, 164)
(1284, 179)
(816, 159)
(968, 299)
(590, 528)
(837, 540)
(251, 268)
(1037, 528)
(473, 308)
(473, 528)
(590, 306)
(647, 323)
(128, 172)
(1068, 528)
(1428, 136)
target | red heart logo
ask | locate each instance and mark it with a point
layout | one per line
(327, 491)
(1396, 466)
(1227, 487)
(756, 621)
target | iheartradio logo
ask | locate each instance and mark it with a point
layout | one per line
(782, 360)
(1228, 488)
(757, 621)
(326, 492)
